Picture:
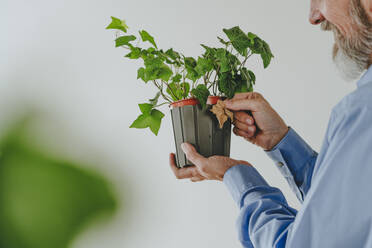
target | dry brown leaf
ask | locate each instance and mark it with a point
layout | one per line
(229, 114)
(222, 113)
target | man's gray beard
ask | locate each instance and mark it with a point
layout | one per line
(348, 69)
(352, 54)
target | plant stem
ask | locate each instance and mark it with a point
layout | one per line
(245, 60)
(161, 104)
(161, 92)
(193, 85)
(170, 89)
(214, 81)
(206, 79)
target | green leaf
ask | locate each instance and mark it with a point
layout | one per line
(147, 37)
(178, 91)
(243, 87)
(252, 36)
(256, 43)
(190, 64)
(239, 39)
(172, 54)
(151, 50)
(259, 46)
(155, 123)
(155, 62)
(250, 88)
(252, 76)
(226, 60)
(250, 79)
(223, 60)
(146, 108)
(124, 40)
(201, 93)
(135, 53)
(226, 43)
(185, 87)
(140, 122)
(248, 75)
(209, 52)
(163, 72)
(203, 66)
(150, 120)
(232, 82)
(141, 74)
(243, 81)
(233, 60)
(116, 23)
(227, 84)
(266, 55)
(173, 91)
(156, 69)
(177, 78)
(192, 75)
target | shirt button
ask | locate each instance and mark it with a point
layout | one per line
(280, 164)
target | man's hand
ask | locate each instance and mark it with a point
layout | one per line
(212, 168)
(265, 129)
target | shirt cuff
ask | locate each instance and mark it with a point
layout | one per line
(292, 152)
(240, 179)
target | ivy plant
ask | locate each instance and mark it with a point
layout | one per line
(218, 71)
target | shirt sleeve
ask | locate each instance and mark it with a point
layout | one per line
(295, 160)
(265, 217)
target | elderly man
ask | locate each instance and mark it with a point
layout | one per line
(334, 186)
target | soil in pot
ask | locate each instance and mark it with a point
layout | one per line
(200, 128)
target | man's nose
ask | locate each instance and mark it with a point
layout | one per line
(315, 16)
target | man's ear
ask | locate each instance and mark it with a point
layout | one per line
(367, 5)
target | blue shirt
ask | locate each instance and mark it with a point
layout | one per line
(334, 186)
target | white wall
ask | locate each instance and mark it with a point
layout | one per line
(58, 55)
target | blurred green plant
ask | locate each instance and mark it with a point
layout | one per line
(45, 201)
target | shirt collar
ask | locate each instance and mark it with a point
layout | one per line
(366, 78)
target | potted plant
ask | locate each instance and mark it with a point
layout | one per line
(193, 88)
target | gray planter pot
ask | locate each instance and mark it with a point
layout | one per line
(200, 128)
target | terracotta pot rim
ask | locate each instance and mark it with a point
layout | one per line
(193, 101)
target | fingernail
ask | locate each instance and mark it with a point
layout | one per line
(249, 121)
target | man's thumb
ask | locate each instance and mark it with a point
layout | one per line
(192, 154)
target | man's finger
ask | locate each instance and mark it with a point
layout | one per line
(252, 140)
(249, 129)
(181, 173)
(244, 117)
(244, 95)
(242, 104)
(193, 155)
(240, 133)
(244, 162)
(197, 179)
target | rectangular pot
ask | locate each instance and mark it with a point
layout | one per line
(200, 128)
